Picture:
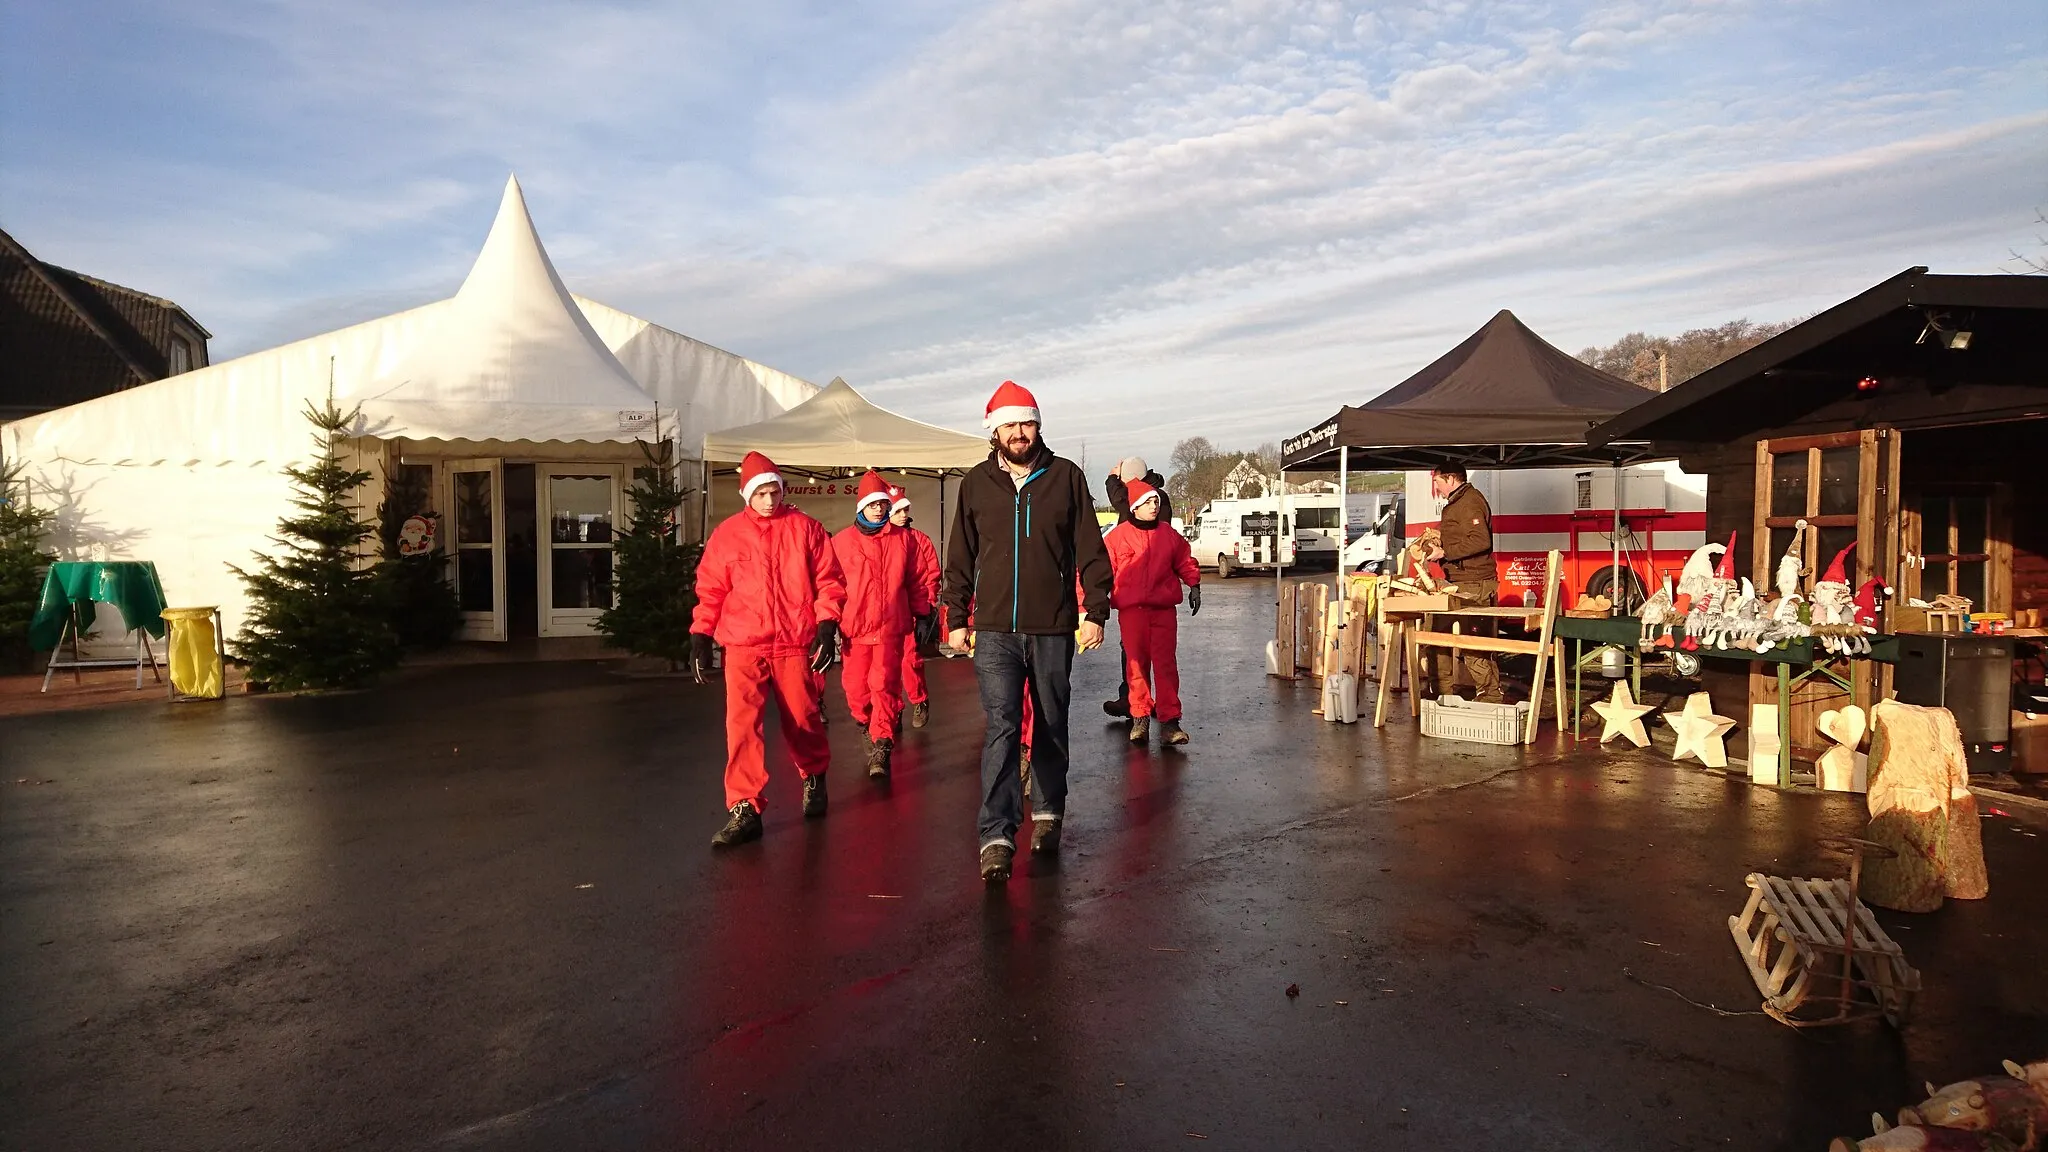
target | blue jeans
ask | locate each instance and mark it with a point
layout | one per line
(1009, 664)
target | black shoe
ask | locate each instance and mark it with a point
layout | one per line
(1141, 727)
(920, 713)
(1119, 707)
(744, 825)
(1024, 771)
(1170, 732)
(814, 796)
(1045, 835)
(995, 862)
(878, 758)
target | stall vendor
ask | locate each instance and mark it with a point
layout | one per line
(1465, 552)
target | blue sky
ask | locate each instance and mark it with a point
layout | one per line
(1217, 218)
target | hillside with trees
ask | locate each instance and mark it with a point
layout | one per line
(1635, 357)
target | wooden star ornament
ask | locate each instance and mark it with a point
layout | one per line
(1623, 716)
(1700, 732)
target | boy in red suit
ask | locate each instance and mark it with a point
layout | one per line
(926, 573)
(1151, 562)
(769, 591)
(884, 600)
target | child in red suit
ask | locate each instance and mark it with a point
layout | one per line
(769, 591)
(885, 597)
(1151, 562)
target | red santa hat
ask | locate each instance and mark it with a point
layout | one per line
(898, 499)
(1725, 570)
(1140, 492)
(1836, 573)
(1011, 404)
(755, 471)
(873, 489)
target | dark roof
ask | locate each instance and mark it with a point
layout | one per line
(1805, 379)
(68, 337)
(1503, 398)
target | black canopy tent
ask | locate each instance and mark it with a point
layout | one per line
(1504, 398)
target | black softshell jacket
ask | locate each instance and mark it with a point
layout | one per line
(1014, 552)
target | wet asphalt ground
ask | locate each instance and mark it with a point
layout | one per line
(474, 908)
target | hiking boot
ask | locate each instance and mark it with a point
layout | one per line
(920, 713)
(1141, 729)
(878, 758)
(1119, 707)
(814, 796)
(743, 825)
(1024, 771)
(1170, 733)
(995, 862)
(1045, 834)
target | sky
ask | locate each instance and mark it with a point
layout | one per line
(1213, 217)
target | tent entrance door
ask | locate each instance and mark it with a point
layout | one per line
(579, 511)
(477, 545)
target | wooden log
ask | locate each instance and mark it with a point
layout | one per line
(1916, 760)
(1963, 876)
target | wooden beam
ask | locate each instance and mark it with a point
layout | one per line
(1423, 639)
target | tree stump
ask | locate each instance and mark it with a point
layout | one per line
(1921, 808)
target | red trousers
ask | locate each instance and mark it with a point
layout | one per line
(871, 672)
(1150, 636)
(751, 675)
(913, 671)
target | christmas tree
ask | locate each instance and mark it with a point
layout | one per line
(423, 607)
(318, 616)
(22, 561)
(654, 577)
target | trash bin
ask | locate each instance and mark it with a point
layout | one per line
(198, 670)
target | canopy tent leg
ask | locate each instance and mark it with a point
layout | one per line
(1343, 512)
(1619, 591)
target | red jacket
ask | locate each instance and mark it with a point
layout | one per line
(884, 590)
(1150, 565)
(928, 571)
(767, 582)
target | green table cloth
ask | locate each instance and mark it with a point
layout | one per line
(130, 585)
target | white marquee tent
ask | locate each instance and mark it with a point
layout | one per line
(186, 471)
(839, 433)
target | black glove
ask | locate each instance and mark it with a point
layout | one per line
(700, 656)
(927, 629)
(1195, 600)
(825, 646)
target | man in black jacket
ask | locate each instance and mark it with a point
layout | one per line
(1128, 469)
(1023, 531)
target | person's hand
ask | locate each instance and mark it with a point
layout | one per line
(1089, 634)
(957, 639)
(1195, 600)
(1436, 552)
(825, 646)
(700, 656)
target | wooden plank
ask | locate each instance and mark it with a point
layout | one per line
(1761, 508)
(1476, 643)
(1543, 642)
(1284, 631)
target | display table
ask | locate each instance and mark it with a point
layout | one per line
(1796, 661)
(129, 585)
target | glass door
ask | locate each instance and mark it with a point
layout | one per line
(579, 507)
(477, 545)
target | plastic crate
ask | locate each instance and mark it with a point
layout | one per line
(1456, 718)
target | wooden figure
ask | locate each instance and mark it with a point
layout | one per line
(1842, 768)
(1622, 716)
(1766, 746)
(1700, 732)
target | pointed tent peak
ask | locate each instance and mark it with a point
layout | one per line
(512, 341)
(1505, 366)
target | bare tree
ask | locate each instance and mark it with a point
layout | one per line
(2033, 265)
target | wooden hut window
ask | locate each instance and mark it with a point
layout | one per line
(1827, 481)
(1958, 532)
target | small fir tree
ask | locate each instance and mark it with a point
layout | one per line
(318, 617)
(654, 577)
(22, 561)
(422, 603)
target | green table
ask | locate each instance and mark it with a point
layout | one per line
(1804, 656)
(129, 585)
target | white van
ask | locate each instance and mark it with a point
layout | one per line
(1232, 536)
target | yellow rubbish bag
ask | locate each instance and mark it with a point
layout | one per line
(195, 653)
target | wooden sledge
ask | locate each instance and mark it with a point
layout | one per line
(1790, 935)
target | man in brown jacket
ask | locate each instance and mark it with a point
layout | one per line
(1466, 556)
